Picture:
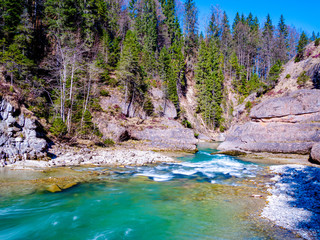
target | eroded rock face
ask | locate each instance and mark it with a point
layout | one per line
(170, 135)
(298, 103)
(162, 106)
(289, 124)
(315, 153)
(19, 138)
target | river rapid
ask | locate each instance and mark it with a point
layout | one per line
(203, 196)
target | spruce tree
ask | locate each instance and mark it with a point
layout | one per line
(313, 36)
(129, 70)
(214, 29)
(190, 27)
(235, 22)
(172, 22)
(226, 39)
(209, 83)
(268, 46)
(167, 76)
(303, 41)
(12, 11)
(282, 41)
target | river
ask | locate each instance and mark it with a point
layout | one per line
(202, 197)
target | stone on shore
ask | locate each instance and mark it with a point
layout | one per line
(315, 153)
(113, 158)
(289, 124)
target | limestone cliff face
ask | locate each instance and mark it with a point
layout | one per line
(288, 124)
(19, 135)
(310, 64)
(287, 119)
(160, 131)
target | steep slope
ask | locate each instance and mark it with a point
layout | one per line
(153, 127)
(310, 64)
(287, 119)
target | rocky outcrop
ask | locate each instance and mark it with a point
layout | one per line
(20, 137)
(310, 64)
(289, 124)
(155, 134)
(162, 106)
(315, 154)
(168, 135)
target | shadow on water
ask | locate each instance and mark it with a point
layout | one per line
(304, 193)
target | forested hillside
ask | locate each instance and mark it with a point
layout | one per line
(63, 53)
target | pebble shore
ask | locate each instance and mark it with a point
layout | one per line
(97, 157)
(294, 202)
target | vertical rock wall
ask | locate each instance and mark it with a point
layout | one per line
(20, 138)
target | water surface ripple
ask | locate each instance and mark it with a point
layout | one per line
(202, 197)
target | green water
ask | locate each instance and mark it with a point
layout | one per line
(204, 197)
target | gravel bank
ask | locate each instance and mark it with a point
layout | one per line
(294, 202)
(98, 158)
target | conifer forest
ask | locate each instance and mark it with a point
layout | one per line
(60, 53)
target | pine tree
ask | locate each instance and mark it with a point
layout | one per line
(190, 27)
(274, 73)
(12, 11)
(303, 41)
(129, 70)
(226, 39)
(268, 46)
(172, 22)
(281, 51)
(235, 22)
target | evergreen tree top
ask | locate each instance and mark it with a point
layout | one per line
(268, 27)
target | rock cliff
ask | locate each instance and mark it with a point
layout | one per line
(158, 131)
(288, 124)
(287, 118)
(20, 138)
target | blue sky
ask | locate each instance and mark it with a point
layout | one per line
(304, 15)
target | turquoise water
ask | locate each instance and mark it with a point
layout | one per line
(203, 197)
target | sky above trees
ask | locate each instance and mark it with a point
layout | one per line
(303, 15)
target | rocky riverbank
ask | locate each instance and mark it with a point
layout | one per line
(289, 124)
(294, 200)
(96, 157)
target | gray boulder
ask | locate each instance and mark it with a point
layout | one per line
(315, 153)
(289, 124)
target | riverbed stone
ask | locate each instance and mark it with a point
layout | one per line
(54, 188)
